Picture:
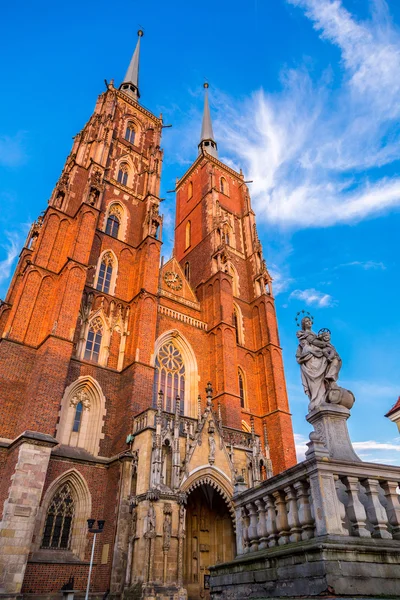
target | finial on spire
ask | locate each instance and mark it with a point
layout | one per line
(130, 84)
(207, 142)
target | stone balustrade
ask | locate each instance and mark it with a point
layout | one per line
(319, 498)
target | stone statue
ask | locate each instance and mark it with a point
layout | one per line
(211, 443)
(151, 519)
(167, 527)
(182, 515)
(320, 365)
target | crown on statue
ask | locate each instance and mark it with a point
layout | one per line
(324, 330)
(301, 315)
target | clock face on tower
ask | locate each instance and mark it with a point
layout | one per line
(173, 280)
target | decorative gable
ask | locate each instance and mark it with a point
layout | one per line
(174, 282)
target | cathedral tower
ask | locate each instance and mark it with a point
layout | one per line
(105, 357)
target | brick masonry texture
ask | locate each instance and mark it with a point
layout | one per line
(52, 299)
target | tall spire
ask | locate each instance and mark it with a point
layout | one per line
(207, 142)
(130, 84)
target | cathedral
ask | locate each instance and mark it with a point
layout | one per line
(134, 392)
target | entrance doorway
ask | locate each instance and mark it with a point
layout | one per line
(210, 539)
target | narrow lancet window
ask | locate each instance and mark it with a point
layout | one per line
(241, 390)
(78, 417)
(112, 227)
(105, 273)
(130, 133)
(93, 342)
(123, 175)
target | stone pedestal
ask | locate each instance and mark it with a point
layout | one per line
(329, 422)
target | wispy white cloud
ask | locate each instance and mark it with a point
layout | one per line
(313, 297)
(300, 442)
(11, 247)
(366, 265)
(13, 150)
(367, 450)
(373, 389)
(313, 149)
(281, 281)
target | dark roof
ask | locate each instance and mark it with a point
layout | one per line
(394, 408)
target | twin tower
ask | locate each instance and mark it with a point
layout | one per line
(132, 392)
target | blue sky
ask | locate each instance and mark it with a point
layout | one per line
(305, 96)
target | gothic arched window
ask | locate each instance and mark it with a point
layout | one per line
(190, 190)
(169, 377)
(112, 227)
(223, 186)
(123, 174)
(235, 280)
(105, 273)
(241, 389)
(93, 342)
(130, 133)
(236, 324)
(58, 525)
(188, 236)
(187, 270)
(78, 417)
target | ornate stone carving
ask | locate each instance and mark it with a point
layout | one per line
(83, 397)
(167, 527)
(211, 444)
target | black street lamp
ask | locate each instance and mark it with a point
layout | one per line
(91, 529)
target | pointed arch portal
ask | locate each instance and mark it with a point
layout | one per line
(210, 537)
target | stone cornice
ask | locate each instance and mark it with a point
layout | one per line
(35, 438)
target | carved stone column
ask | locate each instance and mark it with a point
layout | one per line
(355, 508)
(270, 521)
(281, 518)
(253, 536)
(305, 516)
(261, 527)
(375, 510)
(181, 537)
(393, 506)
(293, 515)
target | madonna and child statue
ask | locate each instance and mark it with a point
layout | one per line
(320, 365)
(329, 404)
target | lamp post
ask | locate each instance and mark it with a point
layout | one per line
(91, 529)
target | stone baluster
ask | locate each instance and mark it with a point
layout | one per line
(341, 502)
(325, 503)
(253, 535)
(393, 506)
(281, 518)
(293, 515)
(270, 521)
(376, 513)
(305, 517)
(245, 530)
(355, 508)
(261, 526)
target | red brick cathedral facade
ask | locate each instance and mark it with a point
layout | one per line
(98, 341)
